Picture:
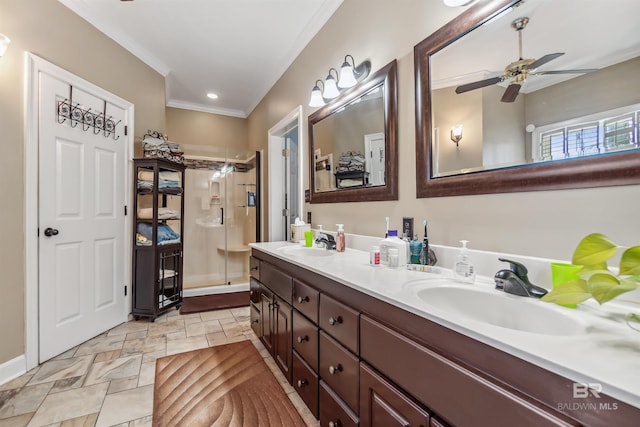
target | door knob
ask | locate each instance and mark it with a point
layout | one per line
(51, 232)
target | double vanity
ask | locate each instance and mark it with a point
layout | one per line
(378, 346)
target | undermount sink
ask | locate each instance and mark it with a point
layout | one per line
(304, 251)
(498, 309)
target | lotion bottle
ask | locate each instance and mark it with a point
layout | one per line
(463, 270)
(340, 239)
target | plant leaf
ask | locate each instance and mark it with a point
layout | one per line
(605, 287)
(595, 249)
(630, 262)
(572, 292)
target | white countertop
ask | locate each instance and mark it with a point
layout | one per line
(607, 353)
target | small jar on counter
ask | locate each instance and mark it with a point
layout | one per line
(374, 255)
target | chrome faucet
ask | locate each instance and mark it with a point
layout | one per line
(515, 281)
(326, 240)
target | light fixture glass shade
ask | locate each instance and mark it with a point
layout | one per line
(347, 79)
(316, 98)
(4, 44)
(330, 88)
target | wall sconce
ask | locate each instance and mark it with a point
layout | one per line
(348, 77)
(456, 134)
(4, 44)
(316, 95)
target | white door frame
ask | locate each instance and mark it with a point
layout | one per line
(276, 168)
(34, 66)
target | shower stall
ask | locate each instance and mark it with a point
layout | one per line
(221, 218)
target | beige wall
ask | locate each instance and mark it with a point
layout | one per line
(545, 224)
(53, 32)
(194, 128)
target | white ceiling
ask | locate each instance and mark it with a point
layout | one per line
(235, 48)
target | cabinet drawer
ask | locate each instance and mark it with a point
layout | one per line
(441, 385)
(383, 405)
(339, 321)
(305, 300)
(305, 381)
(339, 369)
(277, 281)
(254, 268)
(254, 291)
(333, 412)
(305, 339)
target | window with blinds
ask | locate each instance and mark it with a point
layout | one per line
(585, 139)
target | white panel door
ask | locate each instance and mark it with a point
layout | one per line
(81, 221)
(375, 158)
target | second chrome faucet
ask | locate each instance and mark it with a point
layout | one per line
(515, 281)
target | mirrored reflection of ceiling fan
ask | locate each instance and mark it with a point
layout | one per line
(519, 70)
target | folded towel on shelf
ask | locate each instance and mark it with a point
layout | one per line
(165, 233)
(168, 184)
(142, 241)
(351, 161)
(163, 213)
(145, 185)
(170, 176)
(145, 175)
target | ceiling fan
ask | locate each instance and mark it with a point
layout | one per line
(519, 70)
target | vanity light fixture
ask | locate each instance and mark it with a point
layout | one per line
(316, 95)
(348, 77)
(4, 44)
(330, 86)
(456, 134)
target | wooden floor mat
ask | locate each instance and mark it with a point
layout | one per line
(228, 385)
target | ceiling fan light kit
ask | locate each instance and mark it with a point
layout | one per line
(518, 71)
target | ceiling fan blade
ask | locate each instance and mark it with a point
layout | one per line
(541, 61)
(582, 71)
(478, 84)
(511, 93)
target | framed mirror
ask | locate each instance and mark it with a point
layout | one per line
(510, 96)
(353, 152)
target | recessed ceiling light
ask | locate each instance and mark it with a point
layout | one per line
(212, 95)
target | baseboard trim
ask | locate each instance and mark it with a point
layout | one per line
(220, 289)
(12, 369)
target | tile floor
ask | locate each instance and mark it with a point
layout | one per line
(108, 380)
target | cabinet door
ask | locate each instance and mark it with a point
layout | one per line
(282, 334)
(266, 299)
(382, 405)
(256, 323)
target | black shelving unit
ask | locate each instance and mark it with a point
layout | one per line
(158, 210)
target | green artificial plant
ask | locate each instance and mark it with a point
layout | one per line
(594, 278)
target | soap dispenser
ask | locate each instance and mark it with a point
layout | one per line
(463, 270)
(340, 239)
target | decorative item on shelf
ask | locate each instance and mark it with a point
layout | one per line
(456, 134)
(348, 77)
(593, 277)
(75, 113)
(155, 145)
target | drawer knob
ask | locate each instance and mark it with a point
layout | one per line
(334, 423)
(303, 300)
(335, 320)
(303, 339)
(254, 268)
(255, 321)
(335, 369)
(302, 383)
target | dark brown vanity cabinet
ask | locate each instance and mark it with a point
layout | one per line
(158, 208)
(271, 313)
(359, 361)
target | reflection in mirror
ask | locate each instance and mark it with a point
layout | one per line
(353, 143)
(354, 136)
(528, 92)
